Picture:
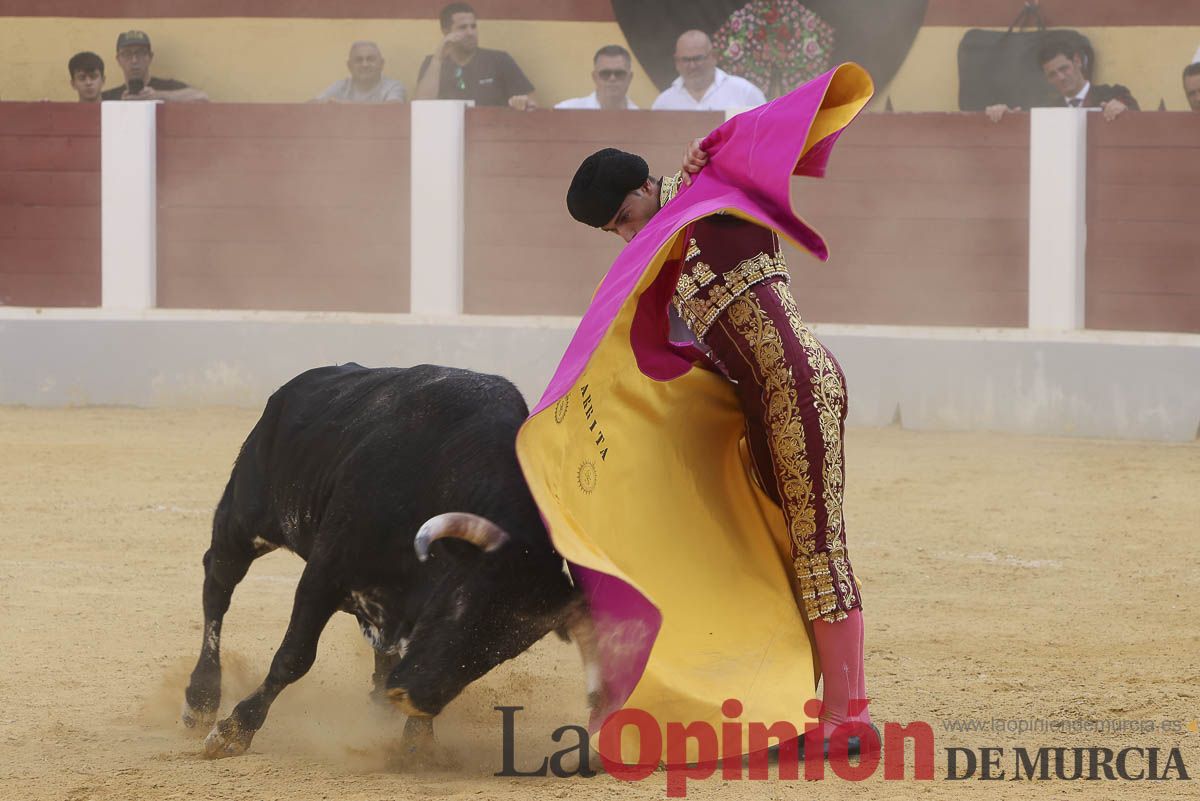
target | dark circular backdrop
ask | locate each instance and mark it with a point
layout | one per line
(874, 33)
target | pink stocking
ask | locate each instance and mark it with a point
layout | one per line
(840, 649)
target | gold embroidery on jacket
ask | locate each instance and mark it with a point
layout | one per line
(686, 288)
(829, 398)
(693, 250)
(786, 433)
(669, 188)
(700, 310)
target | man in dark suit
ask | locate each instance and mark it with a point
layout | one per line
(1066, 69)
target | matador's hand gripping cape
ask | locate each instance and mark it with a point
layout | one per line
(633, 454)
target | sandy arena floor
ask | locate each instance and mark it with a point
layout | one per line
(1004, 577)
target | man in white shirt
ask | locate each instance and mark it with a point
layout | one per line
(366, 83)
(612, 70)
(701, 86)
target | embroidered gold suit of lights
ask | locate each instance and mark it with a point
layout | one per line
(700, 309)
(669, 188)
(703, 274)
(829, 398)
(700, 272)
(785, 430)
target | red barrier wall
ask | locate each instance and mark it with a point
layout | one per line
(49, 204)
(1143, 248)
(926, 215)
(524, 252)
(307, 207)
(284, 207)
(927, 221)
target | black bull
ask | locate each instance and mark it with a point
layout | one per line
(360, 472)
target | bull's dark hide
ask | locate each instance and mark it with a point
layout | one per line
(874, 33)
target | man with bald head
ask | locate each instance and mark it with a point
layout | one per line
(366, 83)
(702, 85)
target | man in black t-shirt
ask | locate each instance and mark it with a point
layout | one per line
(134, 55)
(462, 70)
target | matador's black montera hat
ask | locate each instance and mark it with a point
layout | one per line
(601, 184)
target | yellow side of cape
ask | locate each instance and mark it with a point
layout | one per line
(658, 494)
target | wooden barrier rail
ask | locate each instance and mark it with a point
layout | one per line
(927, 220)
(1143, 246)
(49, 204)
(953, 184)
(309, 207)
(524, 252)
(283, 207)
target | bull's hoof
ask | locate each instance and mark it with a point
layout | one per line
(227, 739)
(420, 751)
(429, 759)
(197, 718)
(425, 757)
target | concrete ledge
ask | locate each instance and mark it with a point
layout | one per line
(1063, 385)
(1080, 383)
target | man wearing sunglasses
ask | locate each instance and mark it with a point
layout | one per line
(612, 70)
(134, 56)
(462, 70)
(701, 85)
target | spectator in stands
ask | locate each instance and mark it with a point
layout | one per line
(612, 70)
(366, 83)
(1066, 70)
(462, 70)
(134, 55)
(701, 85)
(1191, 85)
(87, 76)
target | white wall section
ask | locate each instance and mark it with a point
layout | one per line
(128, 204)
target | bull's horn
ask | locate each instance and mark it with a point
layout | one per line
(479, 531)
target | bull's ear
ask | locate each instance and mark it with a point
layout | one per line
(478, 531)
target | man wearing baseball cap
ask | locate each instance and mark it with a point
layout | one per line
(134, 55)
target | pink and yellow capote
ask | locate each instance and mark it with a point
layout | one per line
(635, 457)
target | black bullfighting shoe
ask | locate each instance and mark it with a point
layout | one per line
(855, 746)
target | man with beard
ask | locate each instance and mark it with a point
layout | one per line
(134, 55)
(462, 70)
(701, 85)
(1191, 85)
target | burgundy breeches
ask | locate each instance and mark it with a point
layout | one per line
(793, 394)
